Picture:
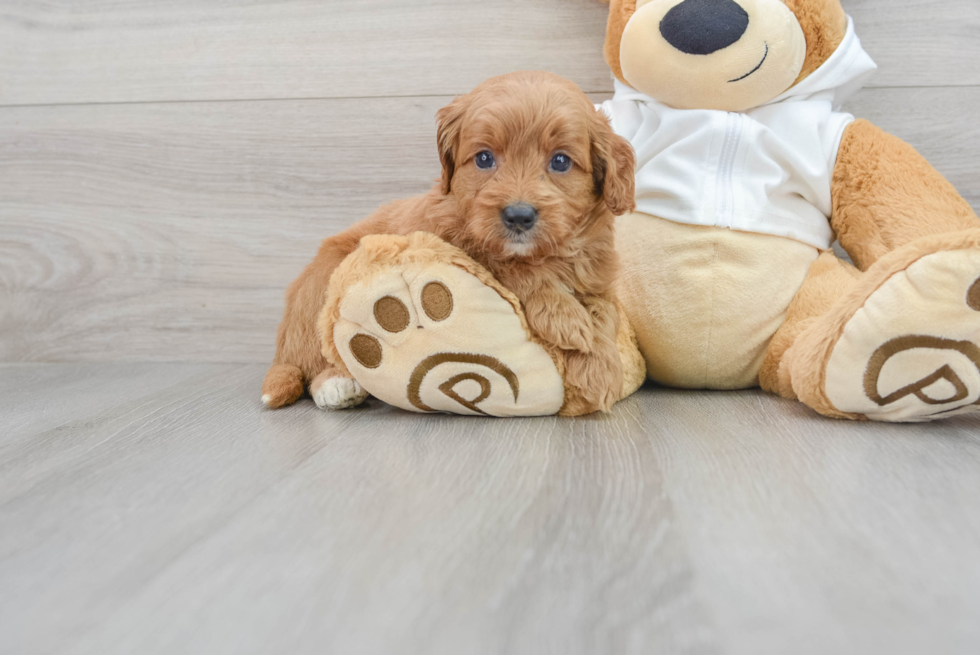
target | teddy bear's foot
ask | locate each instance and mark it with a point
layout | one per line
(427, 335)
(905, 344)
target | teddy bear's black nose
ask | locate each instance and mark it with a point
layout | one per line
(700, 27)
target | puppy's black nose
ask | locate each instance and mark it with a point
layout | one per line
(700, 27)
(519, 217)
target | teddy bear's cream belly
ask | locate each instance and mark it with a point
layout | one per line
(706, 301)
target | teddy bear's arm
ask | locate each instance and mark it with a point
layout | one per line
(885, 194)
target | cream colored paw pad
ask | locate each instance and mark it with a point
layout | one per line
(431, 337)
(912, 352)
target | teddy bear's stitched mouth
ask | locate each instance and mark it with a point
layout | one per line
(764, 57)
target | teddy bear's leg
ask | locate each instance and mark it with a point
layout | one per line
(886, 195)
(423, 327)
(828, 280)
(901, 344)
(899, 341)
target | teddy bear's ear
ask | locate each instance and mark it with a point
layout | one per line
(620, 12)
(449, 120)
(613, 166)
(824, 24)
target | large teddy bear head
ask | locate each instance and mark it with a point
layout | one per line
(729, 55)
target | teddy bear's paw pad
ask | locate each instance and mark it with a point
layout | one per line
(433, 338)
(912, 352)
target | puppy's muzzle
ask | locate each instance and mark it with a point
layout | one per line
(519, 217)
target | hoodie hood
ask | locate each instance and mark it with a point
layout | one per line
(838, 78)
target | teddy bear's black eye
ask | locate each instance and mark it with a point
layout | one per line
(560, 163)
(485, 160)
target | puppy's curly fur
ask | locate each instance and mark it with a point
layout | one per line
(563, 269)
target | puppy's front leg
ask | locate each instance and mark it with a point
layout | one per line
(333, 390)
(556, 316)
(594, 380)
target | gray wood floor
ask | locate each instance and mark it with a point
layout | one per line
(155, 508)
(167, 168)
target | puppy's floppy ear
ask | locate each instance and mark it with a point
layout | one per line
(449, 120)
(613, 166)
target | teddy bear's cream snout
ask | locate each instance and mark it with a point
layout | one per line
(730, 55)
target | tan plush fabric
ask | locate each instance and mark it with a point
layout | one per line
(766, 60)
(823, 23)
(706, 301)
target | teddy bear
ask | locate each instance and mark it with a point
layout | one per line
(747, 172)
(424, 327)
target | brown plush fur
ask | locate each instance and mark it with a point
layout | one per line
(620, 12)
(824, 24)
(886, 195)
(564, 281)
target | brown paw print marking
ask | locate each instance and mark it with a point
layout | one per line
(437, 302)
(391, 314)
(447, 388)
(429, 363)
(366, 350)
(973, 296)
(911, 342)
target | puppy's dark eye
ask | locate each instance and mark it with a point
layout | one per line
(484, 159)
(561, 163)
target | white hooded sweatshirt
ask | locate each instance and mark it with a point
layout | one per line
(766, 170)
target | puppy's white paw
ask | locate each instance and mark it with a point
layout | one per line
(339, 393)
